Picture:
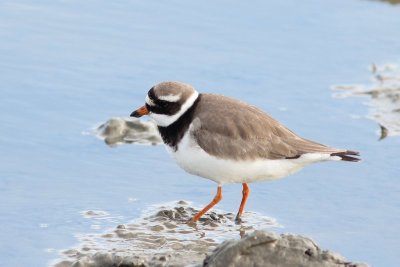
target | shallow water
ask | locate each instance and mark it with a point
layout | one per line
(67, 66)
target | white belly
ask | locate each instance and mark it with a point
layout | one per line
(195, 160)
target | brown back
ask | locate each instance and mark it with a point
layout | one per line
(231, 129)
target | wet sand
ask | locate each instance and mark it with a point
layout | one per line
(163, 237)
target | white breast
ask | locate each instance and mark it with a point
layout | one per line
(195, 160)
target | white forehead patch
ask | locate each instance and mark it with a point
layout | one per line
(170, 98)
(149, 101)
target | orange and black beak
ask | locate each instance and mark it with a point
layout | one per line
(140, 112)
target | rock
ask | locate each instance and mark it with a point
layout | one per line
(269, 249)
(113, 260)
(384, 97)
(126, 130)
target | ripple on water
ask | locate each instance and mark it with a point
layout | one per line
(384, 97)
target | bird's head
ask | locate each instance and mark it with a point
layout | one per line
(166, 102)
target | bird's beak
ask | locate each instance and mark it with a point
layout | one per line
(140, 112)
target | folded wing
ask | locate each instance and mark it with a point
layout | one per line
(235, 130)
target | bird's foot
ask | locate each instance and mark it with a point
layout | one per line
(191, 222)
(238, 219)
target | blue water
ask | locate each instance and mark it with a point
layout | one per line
(66, 66)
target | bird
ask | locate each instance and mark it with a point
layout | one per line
(229, 141)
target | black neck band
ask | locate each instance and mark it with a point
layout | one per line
(174, 132)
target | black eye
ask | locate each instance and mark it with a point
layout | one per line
(164, 104)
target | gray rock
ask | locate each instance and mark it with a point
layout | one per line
(269, 249)
(127, 131)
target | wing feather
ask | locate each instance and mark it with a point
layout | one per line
(231, 129)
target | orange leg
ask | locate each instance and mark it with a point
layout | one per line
(216, 199)
(245, 192)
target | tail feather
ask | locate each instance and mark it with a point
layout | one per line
(304, 146)
(347, 155)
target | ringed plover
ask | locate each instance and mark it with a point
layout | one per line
(229, 141)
